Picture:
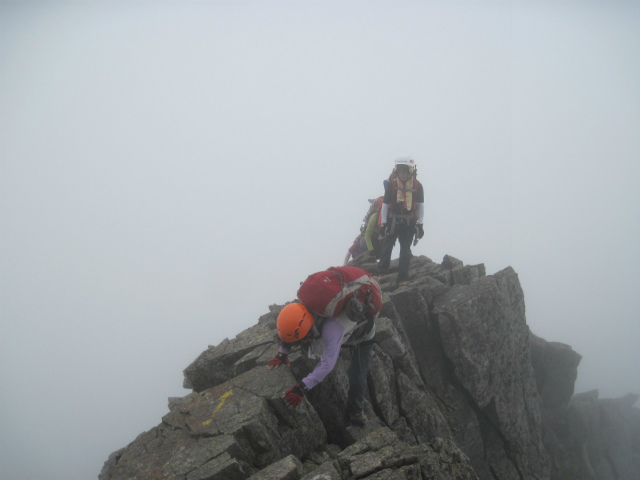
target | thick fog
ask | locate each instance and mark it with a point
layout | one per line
(170, 169)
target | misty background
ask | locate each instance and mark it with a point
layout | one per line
(170, 169)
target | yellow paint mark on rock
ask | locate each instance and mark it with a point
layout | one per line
(223, 399)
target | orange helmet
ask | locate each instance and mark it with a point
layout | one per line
(294, 322)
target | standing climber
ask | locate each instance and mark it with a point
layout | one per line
(401, 216)
(323, 336)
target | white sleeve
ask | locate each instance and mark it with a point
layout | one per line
(383, 213)
(420, 212)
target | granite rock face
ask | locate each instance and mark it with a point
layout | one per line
(459, 388)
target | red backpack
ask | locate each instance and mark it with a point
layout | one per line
(331, 291)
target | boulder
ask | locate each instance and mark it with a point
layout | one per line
(458, 389)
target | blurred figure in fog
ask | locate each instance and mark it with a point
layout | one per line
(401, 216)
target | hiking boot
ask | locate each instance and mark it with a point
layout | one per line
(358, 418)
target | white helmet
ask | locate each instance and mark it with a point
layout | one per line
(408, 161)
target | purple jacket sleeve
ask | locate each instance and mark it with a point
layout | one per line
(332, 333)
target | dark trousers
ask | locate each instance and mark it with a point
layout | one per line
(403, 232)
(358, 370)
(376, 245)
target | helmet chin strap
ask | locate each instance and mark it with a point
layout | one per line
(313, 332)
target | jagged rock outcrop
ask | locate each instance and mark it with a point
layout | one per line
(458, 389)
(605, 436)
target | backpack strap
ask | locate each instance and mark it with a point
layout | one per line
(358, 309)
(345, 289)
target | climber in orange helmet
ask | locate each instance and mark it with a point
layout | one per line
(324, 337)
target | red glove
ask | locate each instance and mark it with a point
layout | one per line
(279, 360)
(293, 396)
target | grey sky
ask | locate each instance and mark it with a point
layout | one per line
(169, 169)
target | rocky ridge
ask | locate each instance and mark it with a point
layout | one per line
(459, 388)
